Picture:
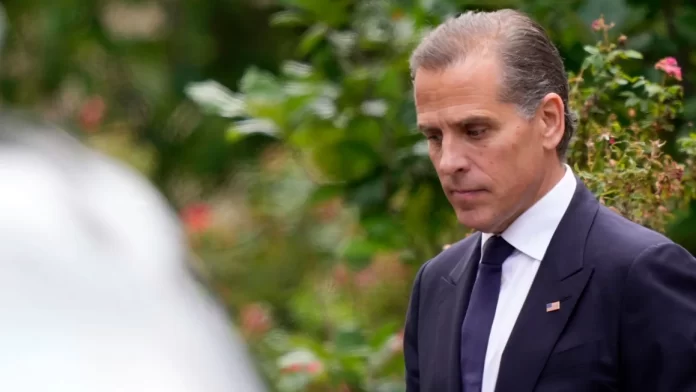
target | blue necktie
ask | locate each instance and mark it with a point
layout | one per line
(476, 327)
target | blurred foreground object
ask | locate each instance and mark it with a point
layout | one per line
(95, 288)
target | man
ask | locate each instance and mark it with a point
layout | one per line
(554, 292)
(95, 290)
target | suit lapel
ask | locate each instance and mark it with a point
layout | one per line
(562, 277)
(455, 291)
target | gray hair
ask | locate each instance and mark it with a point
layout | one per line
(532, 66)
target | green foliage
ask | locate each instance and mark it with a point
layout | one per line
(619, 146)
(348, 115)
(345, 115)
(329, 229)
(114, 72)
(327, 232)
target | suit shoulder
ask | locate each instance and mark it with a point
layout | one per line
(443, 263)
(614, 237)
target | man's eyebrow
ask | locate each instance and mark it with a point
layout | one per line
(427, 128)
(476, 119)
(464, 121)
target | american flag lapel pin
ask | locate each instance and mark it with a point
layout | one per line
(553, 306)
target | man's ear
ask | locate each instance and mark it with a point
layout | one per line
(551, 113)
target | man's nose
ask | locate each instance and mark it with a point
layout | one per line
(453, 157)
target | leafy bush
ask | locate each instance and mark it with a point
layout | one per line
(350, 205)
(619, 149)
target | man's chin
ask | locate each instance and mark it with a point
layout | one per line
(474, 220)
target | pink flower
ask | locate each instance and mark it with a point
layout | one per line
(601, 24)
(92, 113)
(669, 61)
(670, 67)
(366, 278)
(293, 368)
(341, 275)
(598, 24)
(256, 319)
(312, 368)
(196, 217)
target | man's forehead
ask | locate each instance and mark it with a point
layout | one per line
(470, 78)
(468, 69)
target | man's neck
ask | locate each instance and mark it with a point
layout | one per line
(550, 180)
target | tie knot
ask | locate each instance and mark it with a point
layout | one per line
(496, 251)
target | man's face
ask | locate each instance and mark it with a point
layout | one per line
(491, 161)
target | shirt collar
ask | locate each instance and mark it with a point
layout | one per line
(532, 231)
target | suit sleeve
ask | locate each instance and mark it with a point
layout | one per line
(411, 336)
(658, 321)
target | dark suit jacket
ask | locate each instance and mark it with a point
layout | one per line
(627, 320)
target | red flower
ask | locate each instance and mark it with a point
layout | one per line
(92, 113)
(601, 24)
(293, 368)
(341, 275)
(366, 278)
(598, 24)
(313, 367)
(196, 217)
(256, 319)
(670, 67)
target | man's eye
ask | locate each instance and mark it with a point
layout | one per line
(476, 132)
(434, 138)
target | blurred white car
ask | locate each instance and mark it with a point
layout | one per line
(95, 290)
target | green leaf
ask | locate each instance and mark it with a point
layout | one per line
(632, 101)
(391, 84)
(370, 194)
(343, 42)
(349, 339)
(312, 136)
(334, 15)
(346, 160)
(287, 18)
(639, 83)
(382, 335)
(296, 69)
(251, 126)
(653, 89)
(633, 54)
(232, 136)
(216, 98)
(383, 228)
(690, 108)
(591, 49)
(311, 38)
(366, 130)
(256, 82)
(359, 251)
(596, 61)
(327, 192)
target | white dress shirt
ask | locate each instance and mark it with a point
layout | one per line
(530, 234)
